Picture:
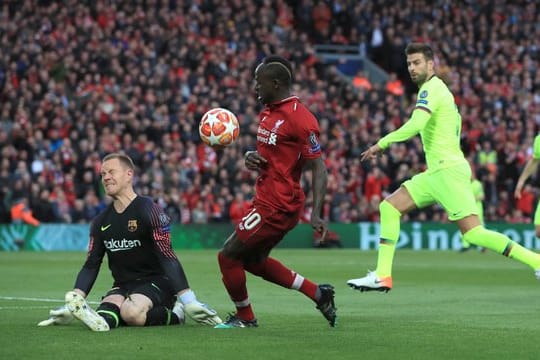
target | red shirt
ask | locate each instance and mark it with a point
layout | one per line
(288, 135)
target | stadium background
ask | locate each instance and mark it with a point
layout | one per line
(79, 79)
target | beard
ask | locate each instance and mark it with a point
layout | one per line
(420, 78)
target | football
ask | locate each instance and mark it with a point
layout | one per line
(219, 127)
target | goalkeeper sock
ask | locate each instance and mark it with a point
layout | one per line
(502, 244)
(274, 271)
(234, 279)
(390, 223)
(161, 315)
(111, 313)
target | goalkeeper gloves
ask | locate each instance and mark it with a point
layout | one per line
(202, 313)
(59, 316)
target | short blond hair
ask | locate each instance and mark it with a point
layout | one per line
(123, 158)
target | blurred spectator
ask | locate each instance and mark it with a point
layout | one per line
(361, 81)
(5, 213)
(199, 214)
(43, 208)
(525, 204)
(394, 86)
(21, 213)
(487, 157)
(321, 17)
(238, 207)
(76, 84)
(376, 183)
(77, 213)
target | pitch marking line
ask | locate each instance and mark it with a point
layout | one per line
(18, 298)
(24, 307)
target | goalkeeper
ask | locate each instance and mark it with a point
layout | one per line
(150, 286)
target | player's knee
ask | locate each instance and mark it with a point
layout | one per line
(132, 314)
(537, 231)
(386, 208)
(111, 313)
(234, 248)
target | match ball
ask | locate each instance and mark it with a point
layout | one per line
(219, 127)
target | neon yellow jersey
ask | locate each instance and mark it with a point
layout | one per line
(437, 119)
(536, 147)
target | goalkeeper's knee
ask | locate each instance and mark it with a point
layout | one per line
(111, 313)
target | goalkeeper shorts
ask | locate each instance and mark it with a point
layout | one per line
(157, 288)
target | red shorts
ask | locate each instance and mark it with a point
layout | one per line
(263, 227)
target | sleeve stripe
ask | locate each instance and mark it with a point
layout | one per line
(423, 108)
(161, 238)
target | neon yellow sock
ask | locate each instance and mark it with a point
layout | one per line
(390, 218)
(502, 244)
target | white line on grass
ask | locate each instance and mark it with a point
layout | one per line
(18, 298)
(24, 307)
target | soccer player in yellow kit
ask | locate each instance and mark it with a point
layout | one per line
(531, 167)
(447, 180)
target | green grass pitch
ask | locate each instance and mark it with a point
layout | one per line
(444, 305)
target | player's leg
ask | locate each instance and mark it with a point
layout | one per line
(455, 194)
(475, 233)
(536, 220)
(275, 272)
(410, 195)
(234, 280)
(248, 248)
(109, 309)
(275, 225)
(151, 303)
(257, 260)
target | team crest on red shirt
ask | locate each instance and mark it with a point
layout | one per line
(277, 125)
(269, 137)
(132, 225)
(315, 146)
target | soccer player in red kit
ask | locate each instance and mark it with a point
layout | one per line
(287, 142)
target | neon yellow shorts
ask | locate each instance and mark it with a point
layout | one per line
(537, 215)
(450, 187)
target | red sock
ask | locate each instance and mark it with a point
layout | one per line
(234, 279)
(274, 271)
(309, 289)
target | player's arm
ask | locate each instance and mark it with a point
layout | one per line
(308, 133)
(530, 167)
(416, 123)
(319, 180)
(83, 284)
(160, 230)
(89, 272)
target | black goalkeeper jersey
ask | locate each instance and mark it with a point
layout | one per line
(137, 243)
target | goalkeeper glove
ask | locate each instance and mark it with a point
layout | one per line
(202, 313)
(59, 316)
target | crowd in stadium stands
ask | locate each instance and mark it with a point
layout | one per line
(80, 79)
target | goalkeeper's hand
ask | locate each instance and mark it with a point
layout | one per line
(202, 313)
(59, 316)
